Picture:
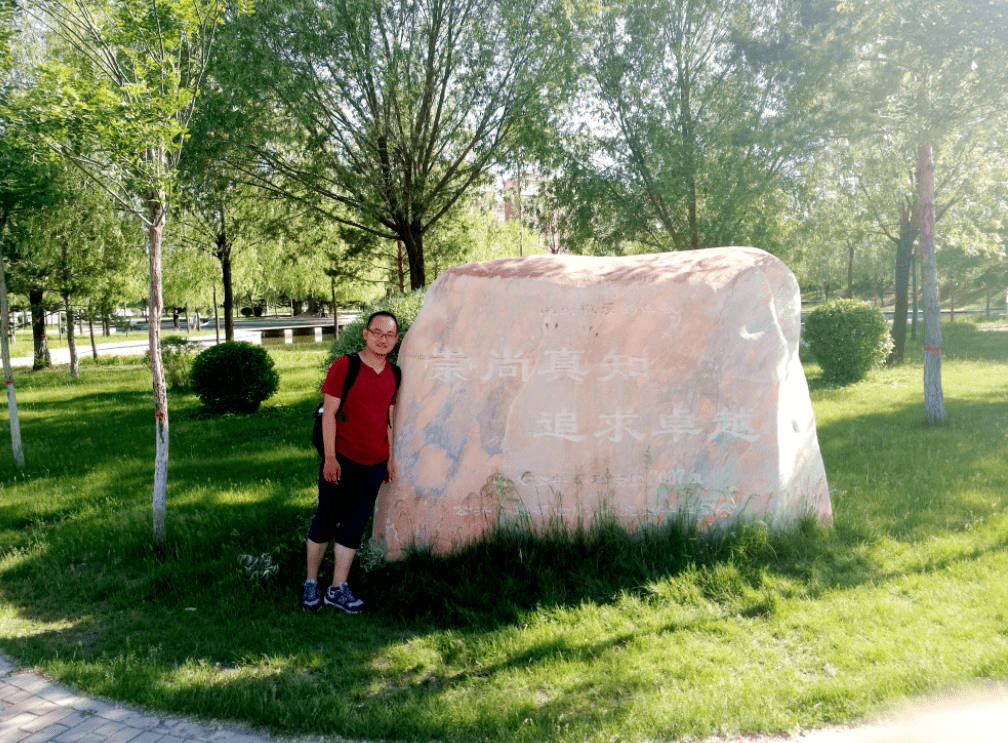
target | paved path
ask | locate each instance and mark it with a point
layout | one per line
(247, 329)
(33, 710)
(137, 347)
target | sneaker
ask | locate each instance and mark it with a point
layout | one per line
(342, 598)
(311, 600)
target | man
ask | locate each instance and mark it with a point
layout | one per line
(358, 451)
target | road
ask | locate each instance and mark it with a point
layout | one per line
(135, 344)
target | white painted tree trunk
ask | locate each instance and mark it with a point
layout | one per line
(155, 304)
(15, 424)
(934, 400)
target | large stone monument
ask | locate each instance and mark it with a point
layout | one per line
(555, 388)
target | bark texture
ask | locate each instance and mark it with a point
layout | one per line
(934, 400)
(155, 303)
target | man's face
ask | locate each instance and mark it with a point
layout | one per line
(381, 335)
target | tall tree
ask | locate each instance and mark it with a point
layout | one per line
(398, 107)
(700, 107)
(934, 75)
(118, 107)
(221, 210)
(27, 182)
(65, 248)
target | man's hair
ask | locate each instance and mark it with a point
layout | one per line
(382, 313)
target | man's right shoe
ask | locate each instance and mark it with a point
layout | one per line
(311, 599)
(341, 598)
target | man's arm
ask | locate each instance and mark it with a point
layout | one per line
(330, 467)
(390, 477)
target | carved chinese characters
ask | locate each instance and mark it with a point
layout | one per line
(557, 388)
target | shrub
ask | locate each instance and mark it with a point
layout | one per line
(234, 377)
(404, 306)
(177, 355)
(847, 338)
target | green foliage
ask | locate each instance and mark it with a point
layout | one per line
(234, 377)
(450, 85)
(694, 159)
(404, 306)
(847, 338)
(177, 356)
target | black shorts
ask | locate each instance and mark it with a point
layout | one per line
(345, 507)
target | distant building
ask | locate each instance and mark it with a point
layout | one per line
(519, 195)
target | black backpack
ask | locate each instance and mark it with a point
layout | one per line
(353, 369)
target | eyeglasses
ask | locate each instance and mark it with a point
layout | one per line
(383, 336)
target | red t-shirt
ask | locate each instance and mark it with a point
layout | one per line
(363, 436)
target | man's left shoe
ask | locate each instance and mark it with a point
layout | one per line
(343, 599)
(311, 599)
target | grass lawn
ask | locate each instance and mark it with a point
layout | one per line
(583, 637)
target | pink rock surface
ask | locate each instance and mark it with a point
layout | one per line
(559, 387)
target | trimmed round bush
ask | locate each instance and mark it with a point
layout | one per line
(233, 377)
(847, 338)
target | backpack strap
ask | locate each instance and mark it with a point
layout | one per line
(353, 369)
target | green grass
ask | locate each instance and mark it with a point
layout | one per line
(593, 636)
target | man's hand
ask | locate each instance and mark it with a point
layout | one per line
(331, 469)
(390, 472)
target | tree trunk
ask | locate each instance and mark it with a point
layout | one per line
(335, 308)
(155, 304)
(90, 324)
(952, 288)
(41, 347)
(934, 401)
(904, 254)
(225, 260)
(693, 228)
(413, 241)
(223, 252)
(216, 316)
(401, 273)
(913, 276)
(850, 270)
(12, 411)
(71, 338)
